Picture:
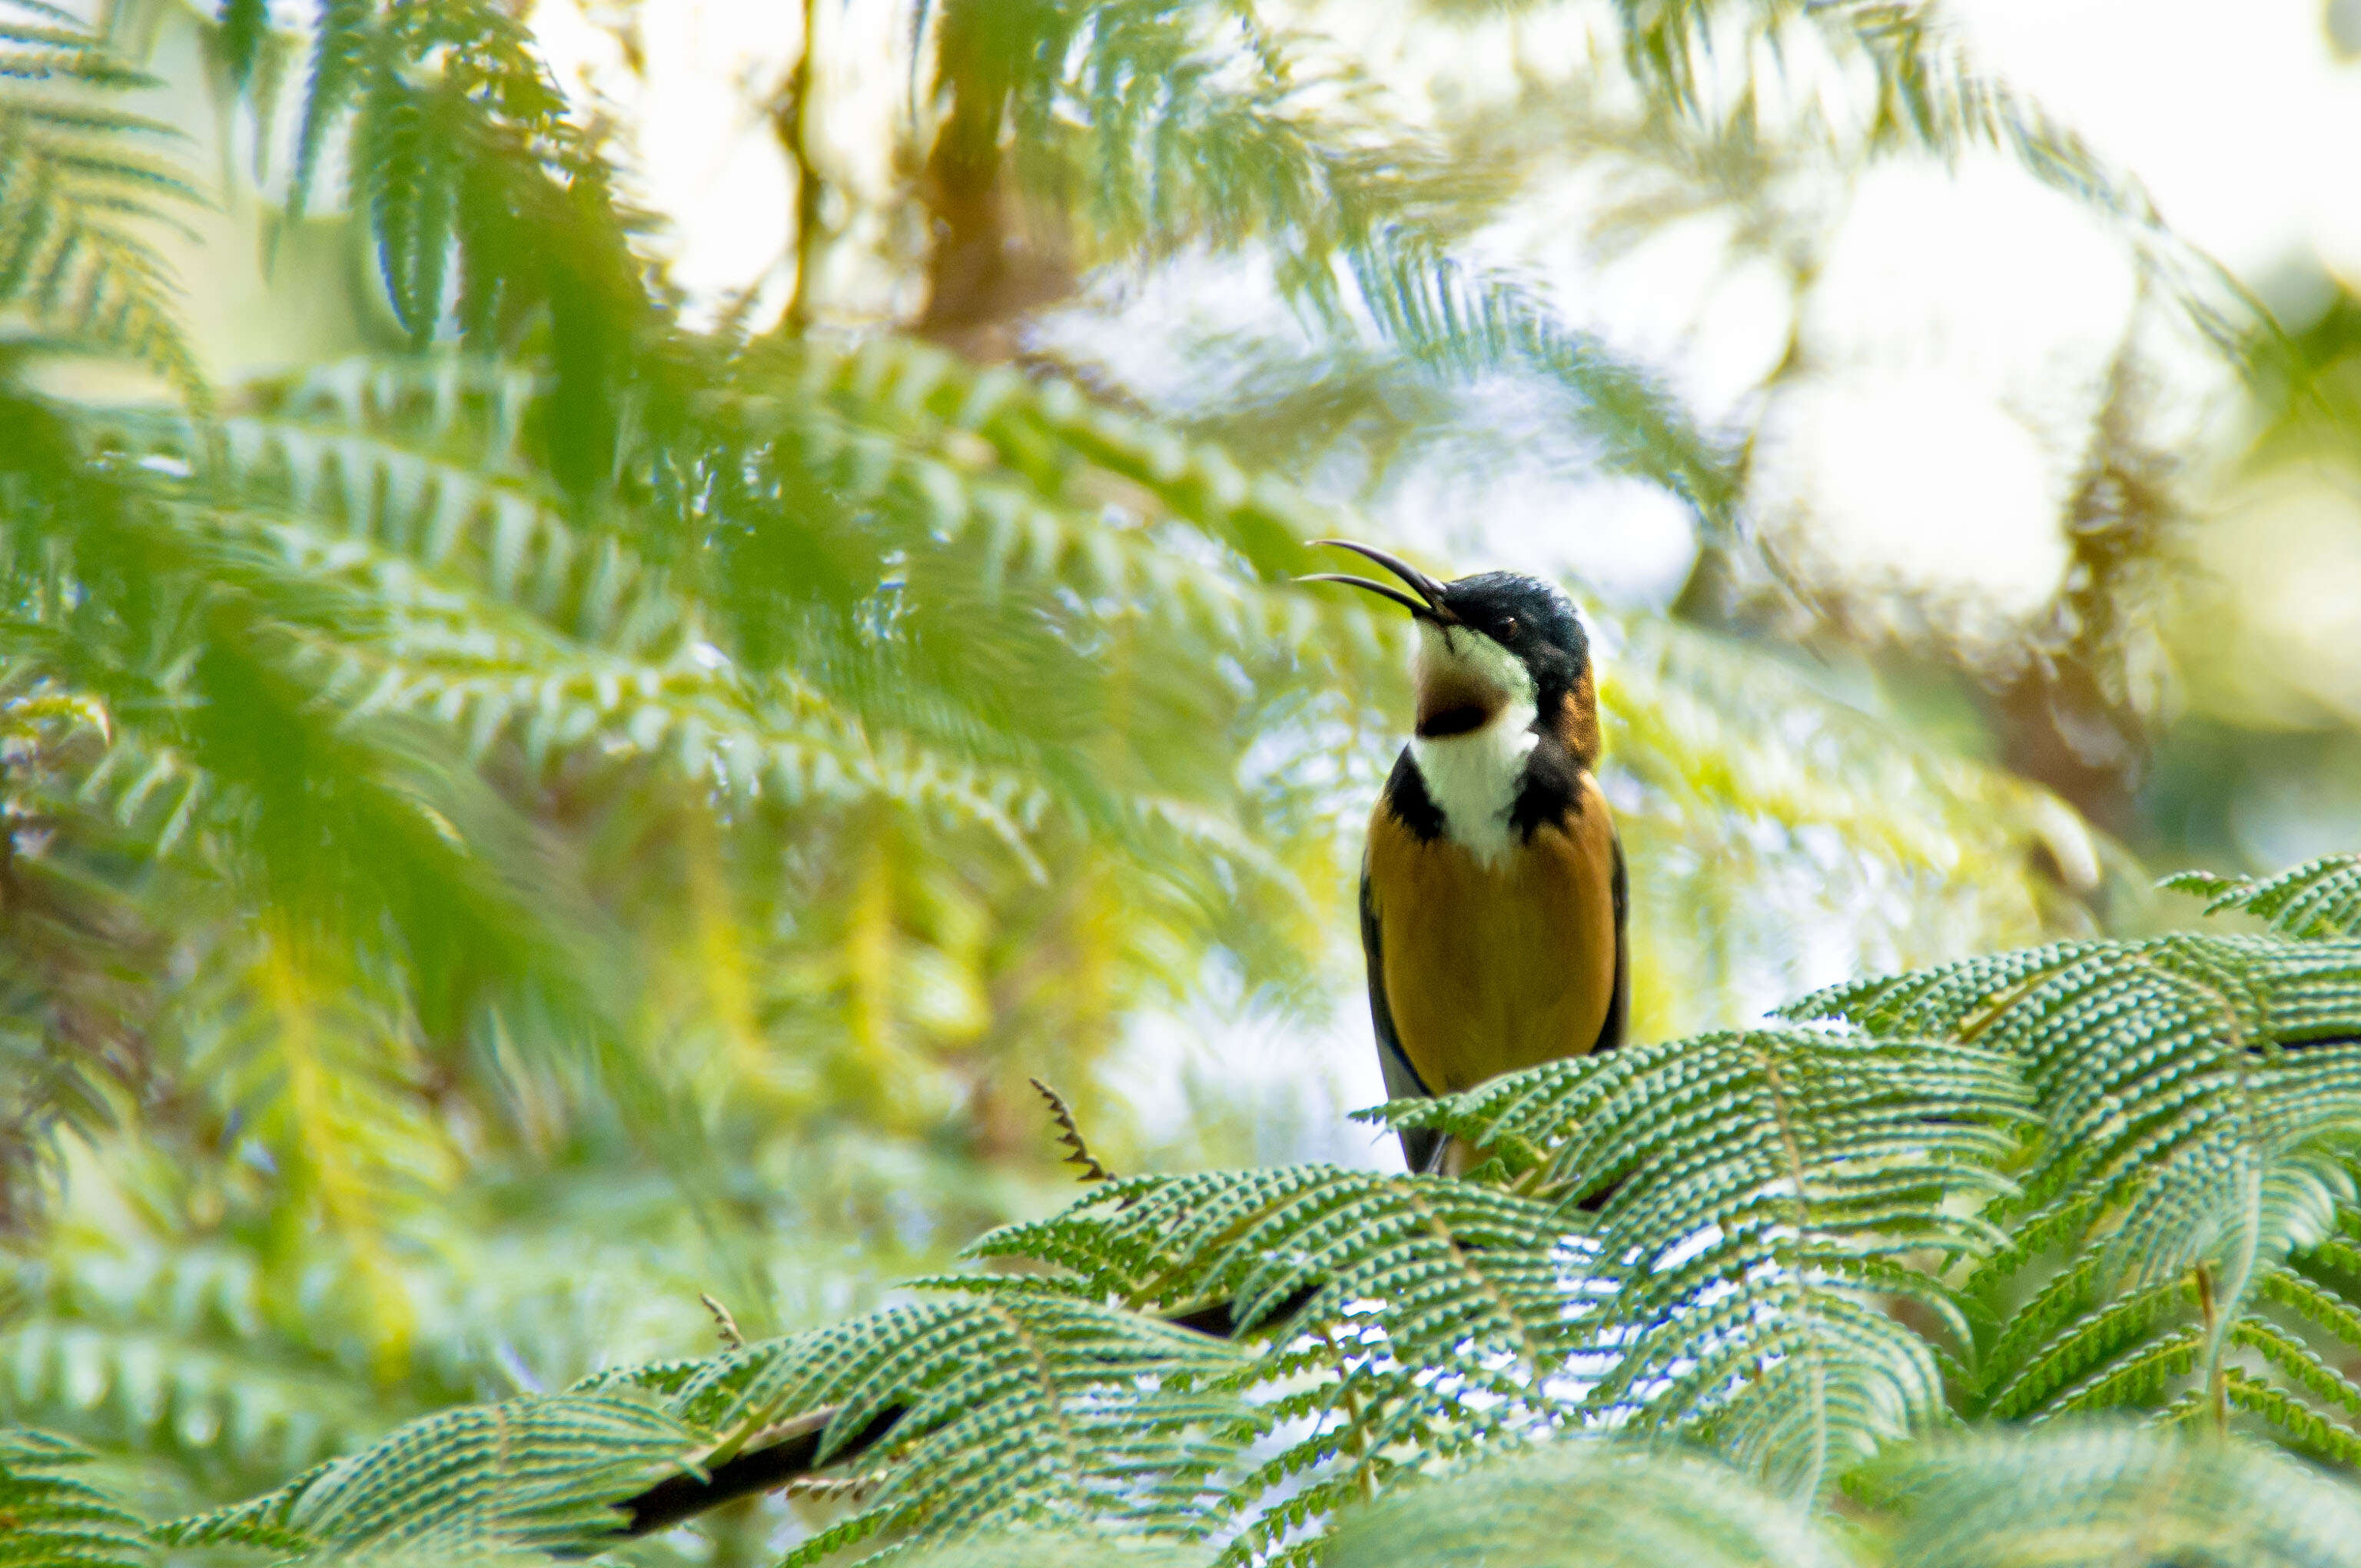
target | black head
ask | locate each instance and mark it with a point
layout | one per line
(1530, 617)
(1529, 620)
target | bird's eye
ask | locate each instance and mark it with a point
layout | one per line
(1507, 626)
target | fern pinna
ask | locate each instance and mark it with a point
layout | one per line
(2183, 1236)
(2101, 1176)
(49, 1515)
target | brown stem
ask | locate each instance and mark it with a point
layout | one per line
(2217, 1386)
(795, 121)
(996, 258)
(1357, 1433)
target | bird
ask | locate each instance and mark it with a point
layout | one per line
(1493, 892)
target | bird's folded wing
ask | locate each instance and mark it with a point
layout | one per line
(1421, 1146)
(1612, 1033)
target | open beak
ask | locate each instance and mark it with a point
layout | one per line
(1428, 605)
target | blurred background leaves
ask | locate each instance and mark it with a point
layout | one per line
(542, 781)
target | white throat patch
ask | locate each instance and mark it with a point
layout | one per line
(1473, 777)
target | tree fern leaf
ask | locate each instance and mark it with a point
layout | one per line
(408, 144)
(263, 1522)
(2061, 1312)
(1755, 1186)
(1451, 1259)
(1625, 1507)
(2329, 1308)
(469, 529)
(2299, 1362)
(1016, 1406)
(914, 395)
(1189, 140)
(343, 34)
(540, 1472)
(1051, 1549)
(1428, 1316)
(2311, 1429)
(1440, 310)
(50, 1520)
(138, 1384)
(2339, 1252)
(2319, 899)
(74, 201)
(244, 25)
(2096, 1493)
(1936, 1001)
(2154, 1066)
(2132, 1379)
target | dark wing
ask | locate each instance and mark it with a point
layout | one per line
(1422, 1146)
(1619, 1011)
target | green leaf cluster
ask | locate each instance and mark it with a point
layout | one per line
(2095, 1179)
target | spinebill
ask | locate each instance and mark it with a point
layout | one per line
(1492, 887)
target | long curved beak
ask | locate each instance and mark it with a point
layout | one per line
(1428, 605)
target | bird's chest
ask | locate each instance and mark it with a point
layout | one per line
(1495, 962)
(1473, 780)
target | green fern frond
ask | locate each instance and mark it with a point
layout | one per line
(2304, 1368)
(2066, 1329)
(2103, 1494)
(2318, 901)
(342, 34)
(2135, 1378)
(2178, 1076)
(2200, 1097)
(1449, 314)
(537, 1473)
(265, 1522)
(166, 1390)
(456, 526)
(486, 206)
(1048, 1549)
(1612, 1506)
(2332, 1309)
(1708, 61)
(244, 32)
(1018, 1406)
(2302, 1426)
(1432, 1263)
(1157, 122)
(50, 1520)
(422, 588)
(455, 549)
(1943, 999)
(78, 208)
(1758, 1194)
(1052, 437)
(1360, 1289)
